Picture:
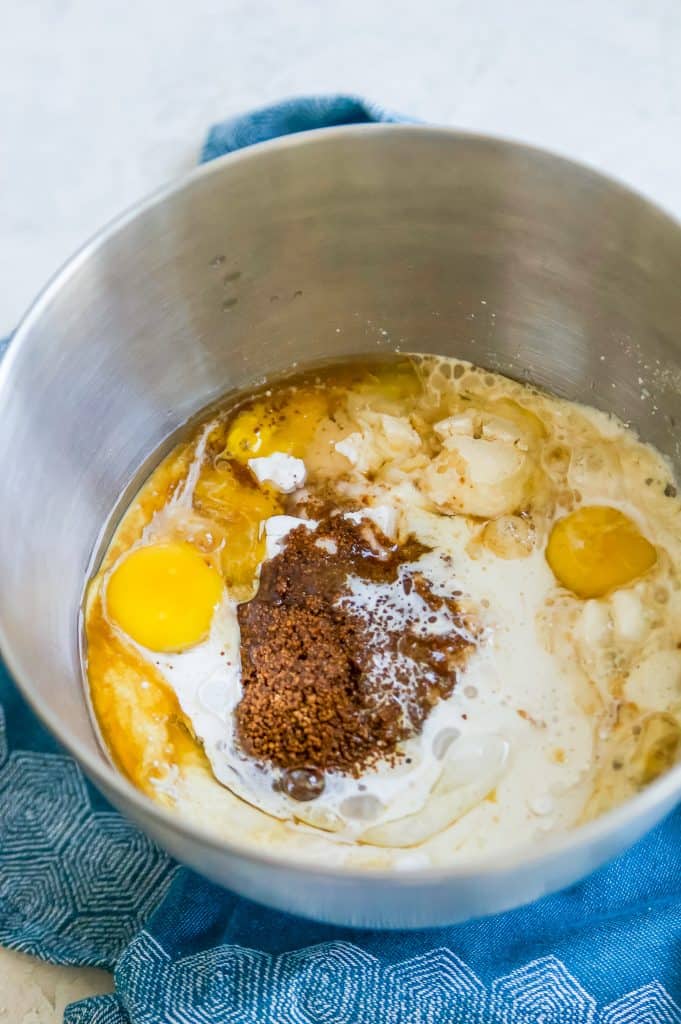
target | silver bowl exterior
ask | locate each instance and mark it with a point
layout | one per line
(322, 245)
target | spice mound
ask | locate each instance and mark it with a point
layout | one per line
(344, 651)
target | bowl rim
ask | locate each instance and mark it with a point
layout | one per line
(106, 777)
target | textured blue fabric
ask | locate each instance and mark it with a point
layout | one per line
(78, 884)
(290, 116)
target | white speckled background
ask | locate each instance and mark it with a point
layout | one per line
(101, 102)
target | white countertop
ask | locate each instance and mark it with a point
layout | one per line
(101, 102)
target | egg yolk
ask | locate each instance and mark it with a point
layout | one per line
(596, 549)
(260, 430)
(163, 596)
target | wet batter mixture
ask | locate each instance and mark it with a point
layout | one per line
(393, 615)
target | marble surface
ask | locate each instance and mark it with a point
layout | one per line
(32, 992)
(101, 103)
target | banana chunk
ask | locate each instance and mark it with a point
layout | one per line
(381, 438)
(483, 468)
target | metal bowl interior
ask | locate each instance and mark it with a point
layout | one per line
(346, 241)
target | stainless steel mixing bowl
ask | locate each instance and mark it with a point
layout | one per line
(338, 242)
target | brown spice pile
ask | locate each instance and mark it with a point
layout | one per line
(310, 696)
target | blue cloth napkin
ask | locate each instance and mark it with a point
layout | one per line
(80, 885)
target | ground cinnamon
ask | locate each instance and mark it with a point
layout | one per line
(312, 696)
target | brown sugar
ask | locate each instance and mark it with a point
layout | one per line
(312, 697)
